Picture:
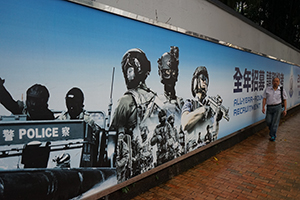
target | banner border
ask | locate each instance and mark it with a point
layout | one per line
(126, 14)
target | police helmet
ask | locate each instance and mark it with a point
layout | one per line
(168, 65)
(171, 119)
(162, 113)
(38, 91)
(200, 73)
(136, 59)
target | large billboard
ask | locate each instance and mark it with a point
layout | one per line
(163, 93)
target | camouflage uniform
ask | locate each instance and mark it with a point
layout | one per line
(133, 111)
(163, 138)
(123, 158)
(127, 120)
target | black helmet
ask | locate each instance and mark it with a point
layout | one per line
(168, 65)
(136, 59)
(162, 113)
(38, 91)
(75, 94)
(200, 73)
(171, 119)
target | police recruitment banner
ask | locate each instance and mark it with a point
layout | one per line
(144, 94)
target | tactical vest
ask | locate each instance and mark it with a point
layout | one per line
(144, 101)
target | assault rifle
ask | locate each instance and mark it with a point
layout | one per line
(216, 104)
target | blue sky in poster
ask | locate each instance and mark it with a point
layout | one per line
(61, 45)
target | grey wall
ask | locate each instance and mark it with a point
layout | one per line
(210, 18)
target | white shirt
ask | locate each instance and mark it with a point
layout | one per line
(273, 96)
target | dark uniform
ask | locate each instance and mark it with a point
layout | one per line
(198, 118)
(35, 107)
(168, 72)
(163, 137)
(130, 113)
(74, 103)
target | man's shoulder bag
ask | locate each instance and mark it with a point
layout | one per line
(281, 93)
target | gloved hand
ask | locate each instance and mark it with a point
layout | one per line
(219, 115)
(1, 83)
(208, 111)
(159, 138)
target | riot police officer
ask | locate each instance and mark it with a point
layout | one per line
(131, 109)
(178, 149)
(163, 137)
(35, 107)
(74, 103)
(75, 110)
(168, 72)
(197, 115)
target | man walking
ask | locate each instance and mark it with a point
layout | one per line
(272, 97)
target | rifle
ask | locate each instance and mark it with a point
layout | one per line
(216, 104)
(110, 101)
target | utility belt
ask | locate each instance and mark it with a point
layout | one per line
(273, 105)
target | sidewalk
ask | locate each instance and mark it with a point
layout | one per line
(253, 169)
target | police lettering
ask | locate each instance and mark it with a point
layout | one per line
(32, 133)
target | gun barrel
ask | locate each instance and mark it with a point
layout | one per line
(226, 117)
(110, 100)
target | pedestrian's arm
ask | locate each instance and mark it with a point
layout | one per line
(284, 103)
(264, 105)
(285, 111)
